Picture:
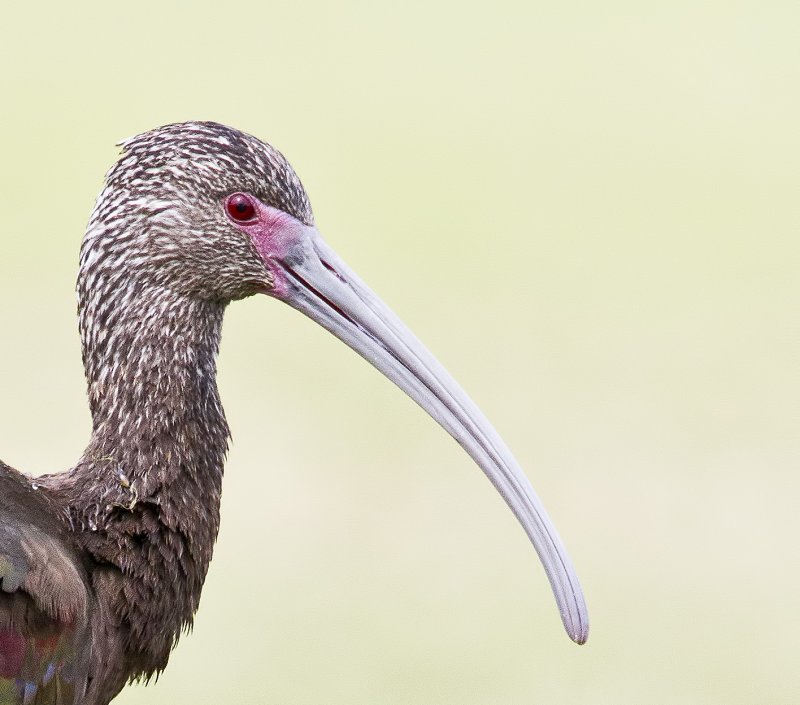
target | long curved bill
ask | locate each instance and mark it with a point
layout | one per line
(317, 282)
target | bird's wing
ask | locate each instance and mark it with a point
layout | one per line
(44, 644)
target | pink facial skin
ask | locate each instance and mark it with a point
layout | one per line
(276, 236)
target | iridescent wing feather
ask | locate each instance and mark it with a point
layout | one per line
(44, 644)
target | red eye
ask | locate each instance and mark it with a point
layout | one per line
(240, 207)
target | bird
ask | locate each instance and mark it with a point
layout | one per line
(102, 565)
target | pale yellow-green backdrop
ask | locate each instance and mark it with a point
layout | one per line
(588, 211)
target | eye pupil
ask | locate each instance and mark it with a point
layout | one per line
(240, 207)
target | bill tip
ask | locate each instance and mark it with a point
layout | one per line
(580, 637)
(579, 633)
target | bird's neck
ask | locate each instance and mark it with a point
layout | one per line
(150, 364)
(145, 496)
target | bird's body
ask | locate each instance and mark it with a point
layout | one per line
(139, 518)
(101, 567)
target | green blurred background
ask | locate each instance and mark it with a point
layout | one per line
(588, 211)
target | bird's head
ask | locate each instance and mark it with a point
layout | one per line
(181, 208)
(207, 212)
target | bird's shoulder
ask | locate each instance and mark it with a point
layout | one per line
(44, 599)
(37, 554)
